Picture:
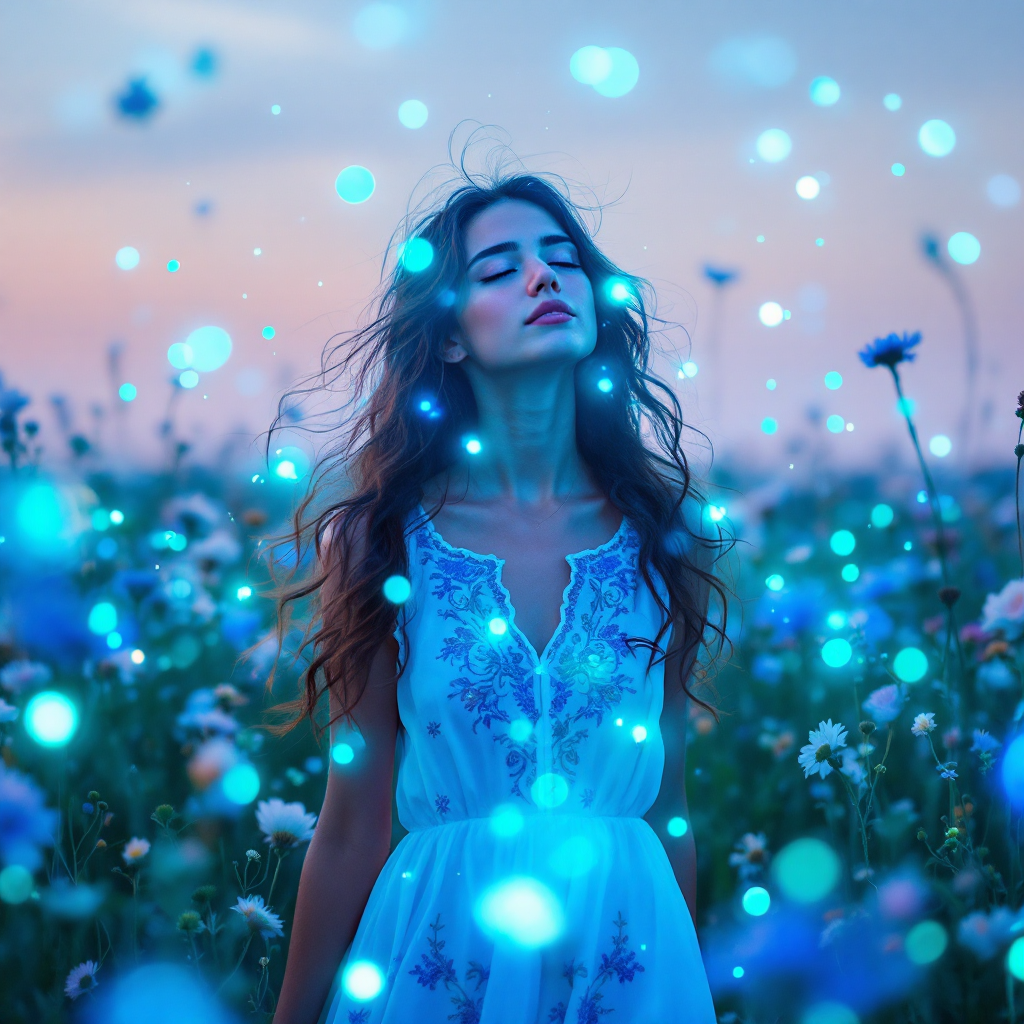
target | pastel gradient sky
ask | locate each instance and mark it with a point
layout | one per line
(675, 159)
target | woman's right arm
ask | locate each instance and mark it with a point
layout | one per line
(348, 849)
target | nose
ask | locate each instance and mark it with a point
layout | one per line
(540, 276)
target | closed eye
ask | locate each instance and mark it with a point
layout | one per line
(494, 277)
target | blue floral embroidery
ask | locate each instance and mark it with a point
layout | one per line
(436, 967)
(358, 1016)
(434, 728)
(587, 796)
(441, 803)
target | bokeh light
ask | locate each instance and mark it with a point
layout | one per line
(473, 445)
(882, 516)
(618, 291)
(127, 257)
(506, 820)
(355, 184)
(521, 909)
(549, 790)
(102, 618)
(1003, 190)
(925, 942)
(677, 827)
(241, 784)
(210, 346)
(268, 332)
(362, 980)
(413, 113)
(774, 145)
(898, 170)
(769, 425)
(639, 733)
(573, 857)
(179, 355)
(590, 65)
(936, 138)
(842, 542)
(623, 76)
(892, 101)
(16, 884)
(689, 369)
(397, 589)
(833, 380)
(771, 384)
(289, 463)
(188, 379)
(836, 652)
(416, 255)
(51, 718)
(940, 446)
(775, 582)
(835, 424)
(836, 620)
(807, 869)
(343, 753)
(829, 1012)
(127, 392)
(605, 384)
(756, 901)
(963, 247)
(1014, 956)
(850, 573)
(1013, 772)
(910, 664)
(770, 314)
(825, 91)
(173, 266)
(808, 187)
(380, 26)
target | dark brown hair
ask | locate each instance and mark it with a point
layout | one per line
(410, 410)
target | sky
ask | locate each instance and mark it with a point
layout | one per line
(243, 199)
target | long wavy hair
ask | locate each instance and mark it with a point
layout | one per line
(410, 411)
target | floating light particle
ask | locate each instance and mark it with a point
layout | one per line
(836, 652)
(807, 869)
(520, 729)
(573, 857)
(833, 380)
(268, 332)
(472, 445)
(828, 1012)
(173, 266)
(836, 620)
(1014, 959)
(275, 109)
(343, 753)
(116, 516)
(506, 820)
(51, 718)
(770, 314)
(898, 170)
(936, 138)
(413, 113)
(850, 572)
(127, 257)
(622, 76)
(775, 582)
(925, 942)
(808, 187)
(102, 618)
(1013, 772)
(769, 425)
(416, 255)
(243, 593)
(842, 542)
(786, 314)
(241, 784)
(756, 901)
(397, 589)
(618, 291)
(100, 519)
(835, 423)
(771, 384)
(604, 384)
(355, 184)
(738, 972)
(188, 379)
(114, 640)
(1003, 190)
(689, 369)
(825, 91)
(760, 238)
(819, 242)
(138, 656)
(289, 463)
(882, 516)
(922, 497)
(362, 979)
(127, 392)
(590, 65)
(677, 827)
(16, 884)
(963, 247)
(179, 355)
(550, 790)
(380, 26)
(940, 446)
(910, 664)
(498, 626)
(716, 513)
(906, 406)
(892, 101)
(639, 733)
(908, 545)
(210, 347)
(520, 909)
(774, 145)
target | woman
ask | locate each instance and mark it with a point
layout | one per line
(540, 754)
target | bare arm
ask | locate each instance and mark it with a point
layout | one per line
(348, 850)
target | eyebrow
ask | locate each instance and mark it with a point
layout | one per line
(501, 247)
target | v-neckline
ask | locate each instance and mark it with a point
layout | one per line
(499, 563)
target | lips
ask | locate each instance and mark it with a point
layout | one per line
(551, 312)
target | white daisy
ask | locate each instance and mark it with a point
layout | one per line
(923, 724)
(81, 979)
(135, 849)
(259, 917)
(751, 854)
(284, 825)
(825, 742)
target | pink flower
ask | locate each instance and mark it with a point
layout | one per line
(1005, 611)
(885, 703)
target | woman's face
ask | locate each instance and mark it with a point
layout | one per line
(527, 300)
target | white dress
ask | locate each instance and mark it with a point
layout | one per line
(529, 890)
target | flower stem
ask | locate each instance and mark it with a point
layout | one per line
(245, 949)
(1016, 496)
(273, 881)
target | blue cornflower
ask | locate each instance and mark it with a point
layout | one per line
(984, 742)
(890, 350)
(25, 822)
(719, 276)
(947, 770)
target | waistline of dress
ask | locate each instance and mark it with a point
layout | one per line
(553, 816)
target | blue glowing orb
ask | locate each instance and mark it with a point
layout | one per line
(355, 184)
(808, 187)
(343, 753)
(362, 980)
(842, 542)
(835, 423)
(940, 446)
(127, 258)
(1013, 772)
(689, 369)
(677, 827)
(41, 514)
(771, 383)
(275, 109)
(397, 589)
(380, 26)
(623, 76)
(910, 665)
(825, 91)
(1014, 958)
(775, 582)
(963, 247)
(604, 384)
(925, 942)
(416, 255)
(756, 901)
(173, 266)
(413, 113)
(521, 909)
(268, 332)
(506, 820)
(850, 573)
(836, 652)
(51, 719)
(892, 101)
(882, 516)
(188, 379)
(241, 784)
(16, 884)
(771, 314)
(774, 145)
(549, 790)
(590, 65)
(807, 869)
(618, 291)
(828, 1012)
(102, 618)
(211, 347)
(833, 380)
(473, 446)
(289, 463)
(898, 170)
(179, 355)
(936, 138)
(127, 392)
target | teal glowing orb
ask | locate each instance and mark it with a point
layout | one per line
(836, 620)
(604, 384)
(416, 255)
(473, 446)
(775, 582)
(882, 516)
(689, 369)
(590, 65)
(520, 729)
(835, 423)
(289, 463)
(550, 790)
(188, 379)
(211, 347)
(1014, 958)
(964, 248)
(769, 425)
(241, 784)
(771, 314)
(829, 1012)
(573, 857)
(243, 593)
(16, 884)
(910, 665)
(127, 258)
(173, 266)
(808, 187)
(179, 355)
(806, 870)
(623, 75)
(756, 901)
(275, 109)
(41, 514)
(521, 909)
(127, 392)
(836, 652)
(100, 520)
(102, 618)
(819, 242)
(355, 184)
(940, 446)
(677, 827)
(268, 332)
(498, 626)
(343, 753)
(413, 113)
(114, 640)
(738, 972)
(842, 542)
(892, 101)
(397, 589)
(380, 26)
(936, 138)
(639, 733)
(898, 170)
(116, 516)
(618, 291)
(771, 383)
(850, 572)
(362, 981)
(925, 942)
(774, 145)
(506, 820)
(833, 380)
(51, 719)
(906, 406)
(825, 91)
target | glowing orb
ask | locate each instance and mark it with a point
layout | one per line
(380, 26)
(771, 384)
(836, 620)
(835, 423)
(179, 355)
(850, 573)
(573, 857)
(963, 247)
(188, 379)
(362, 979)
(775, 582)
(807, 869)
(138, 656)
(836, 652)
(520, 729)
(268, 332)
(910, 665)
(677, 827)
(1013, 771)
(590, 65)
(1014, 957)
(473, 446)
(898, 170)
(412, 114)
(521, 909)
(623, 76)
(211, 347)
(925, 942)
(15, 884)
(689, 369)
(116, 516)
(549, 790)
(355, 184)
(127, 392)
(833, 380)
(173, 266)
(114, 640)
(289, 463)
(275, 109)
(940, 446)
(842, 542)
(770, 314)
(397, 589)
(1003, 190)
(765, 62)
(241, 784)
(825, 91)
(127, 258)
(808, 187)
(773, 145)
(829, 1013)
(243, 593)
(604, 384)
(102, 618)
(738, 972)
(618, 291)
(892, 101)
(756, 901)
(639, 733)
(506, 820)
(416, 254)
(498, 626)
(50, 718)
(936, 138)
(343, 753)
(882, 516)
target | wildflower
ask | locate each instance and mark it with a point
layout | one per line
(163, 815)
(202, 713)
(923, 724)
(751, 854)
(825, 741)
(135, 849)
(951, 738)
(252, 854)
(81, 979)
(851, 767)
(204, 894)
(996, 675)
(284, 825)
(985, 934)
(25, 822)
(8, 712)
(190, 923)
(1020, 406)
(885, 703)
(259, 918)
(984, 743)
(211, 761)
(890, 350)
(1005, 611)
(228, 696)
(17, 676)
(719, 276)
(949, 595)
(947, 770)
